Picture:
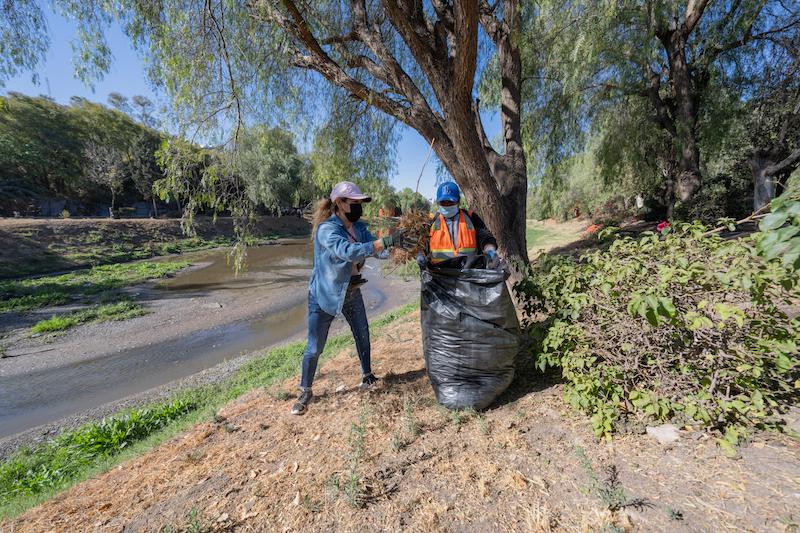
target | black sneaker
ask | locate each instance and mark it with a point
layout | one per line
(368, 381)
(303, 400)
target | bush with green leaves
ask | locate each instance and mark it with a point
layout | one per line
(780, 229)
(680, 326)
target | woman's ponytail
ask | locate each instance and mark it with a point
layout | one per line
(322, 212)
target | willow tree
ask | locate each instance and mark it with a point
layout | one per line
(415, 61)
(668, 54)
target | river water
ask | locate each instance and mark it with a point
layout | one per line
(279, 272)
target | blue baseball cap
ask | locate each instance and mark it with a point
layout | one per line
(448, 192)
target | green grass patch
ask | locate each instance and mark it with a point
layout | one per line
(32, 475)
(55, 323)
(540, 236)
(117, 311)
(26, 294)
(537, 235)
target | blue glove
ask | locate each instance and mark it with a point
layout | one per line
(421, 261)
(494, 259)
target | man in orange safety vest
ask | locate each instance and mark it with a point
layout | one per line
(456, 233)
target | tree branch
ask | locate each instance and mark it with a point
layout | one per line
(321, 62)
(224, 48)
(718, 49)
(491, 153)
(490, 23)
(790, 162)
(663, 117)
(430, 54)
(465, 50)
(395, 75)
(341, 39)
(694, 12)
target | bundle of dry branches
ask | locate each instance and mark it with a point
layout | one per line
(416, 225)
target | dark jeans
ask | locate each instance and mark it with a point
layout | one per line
(319, 323)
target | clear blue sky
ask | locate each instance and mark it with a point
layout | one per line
(127, 76)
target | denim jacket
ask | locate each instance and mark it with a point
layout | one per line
(334, 256)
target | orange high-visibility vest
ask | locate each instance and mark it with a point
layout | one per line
(442, 245)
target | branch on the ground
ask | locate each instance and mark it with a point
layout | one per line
(757, 215)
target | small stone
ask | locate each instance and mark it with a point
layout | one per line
(222, 517)
(664, 434)
(340, 388)
(296, 500)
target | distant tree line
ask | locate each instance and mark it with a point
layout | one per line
(99, 157)
(83, 152)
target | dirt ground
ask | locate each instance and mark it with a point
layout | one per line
(392, 459)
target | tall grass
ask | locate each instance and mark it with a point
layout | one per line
(32, 475)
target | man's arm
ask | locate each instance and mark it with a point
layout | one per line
(485, 237)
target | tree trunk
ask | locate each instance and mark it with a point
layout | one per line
(763, 184)
(669, 196)
(155, 208)
(686, 114)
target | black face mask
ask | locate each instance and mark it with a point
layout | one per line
(355, 212)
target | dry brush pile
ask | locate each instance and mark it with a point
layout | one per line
(416, 226)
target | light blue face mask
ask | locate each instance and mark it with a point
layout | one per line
(448, 212)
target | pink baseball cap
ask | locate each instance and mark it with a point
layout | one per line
(348, 189)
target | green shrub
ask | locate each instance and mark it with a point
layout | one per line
(679, 327)
(780, 230)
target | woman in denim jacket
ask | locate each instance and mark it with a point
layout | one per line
(341, 245)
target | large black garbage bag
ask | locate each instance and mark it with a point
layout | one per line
(470, 335)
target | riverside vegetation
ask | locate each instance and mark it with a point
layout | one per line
(33, 293)
(679, 325)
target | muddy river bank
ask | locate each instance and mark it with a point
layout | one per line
(203, 324)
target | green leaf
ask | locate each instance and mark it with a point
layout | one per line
(773, 221)
(727, 447)
(783, 363)
(667, 306)
(652, 317)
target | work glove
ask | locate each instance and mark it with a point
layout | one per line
(395, 238)
(493, 260)
(421, 261)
